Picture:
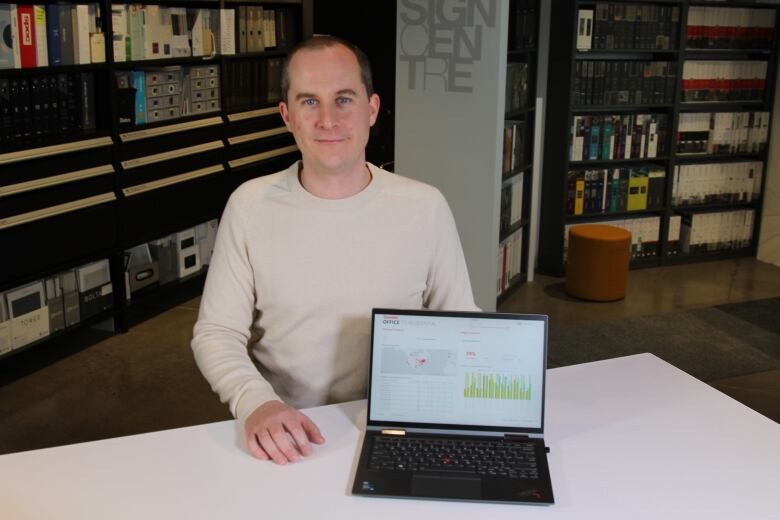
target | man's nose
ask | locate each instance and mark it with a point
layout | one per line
(327, 116)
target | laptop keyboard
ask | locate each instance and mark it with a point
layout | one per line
(511, 459)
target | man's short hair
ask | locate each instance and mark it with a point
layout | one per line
(323, 42)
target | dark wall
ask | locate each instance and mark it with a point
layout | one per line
(374, 33)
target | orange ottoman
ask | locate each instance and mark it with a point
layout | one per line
(597, 263)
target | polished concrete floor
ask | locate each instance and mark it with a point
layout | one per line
(146, 380)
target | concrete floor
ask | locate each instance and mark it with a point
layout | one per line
(146, 380)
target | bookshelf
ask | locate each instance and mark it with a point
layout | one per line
(486, 55)
(122, 141)
(667, 110)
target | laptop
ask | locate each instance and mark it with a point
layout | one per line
(456, 407)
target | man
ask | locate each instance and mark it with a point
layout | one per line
(303, 255)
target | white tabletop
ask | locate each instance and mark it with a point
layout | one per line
(630, 438)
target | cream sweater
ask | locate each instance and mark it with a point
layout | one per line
(303, 274)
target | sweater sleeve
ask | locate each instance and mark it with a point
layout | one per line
(448, 286)
(222, 332)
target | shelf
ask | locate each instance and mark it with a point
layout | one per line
(639, 213)
(510, 177)
(503, 235)
(151, 301)
(618, 108)
(714, 208)
(517, 114)
(49, 70)
(616, 162)
(720, 158)
(81, 325)
(189, 123)
(722, 106)
(516, 282)
(271, 53)
(726, 54)
(587, 54)
(682, 258)
(166, 62)
(521, 52)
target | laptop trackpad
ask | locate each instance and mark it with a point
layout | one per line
(446, 486)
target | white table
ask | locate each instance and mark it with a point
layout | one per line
(630, 438)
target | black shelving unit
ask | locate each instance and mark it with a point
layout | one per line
(90, 191)
(562, 110)
(522, 48)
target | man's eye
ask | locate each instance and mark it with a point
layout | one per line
(310, 101)
(343, 100)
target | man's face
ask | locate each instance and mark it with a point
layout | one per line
(328, 109)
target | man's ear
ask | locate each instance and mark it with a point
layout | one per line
(285, 114)
(373, 108)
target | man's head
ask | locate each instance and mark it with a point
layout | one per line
(322, 42)
(329, 107)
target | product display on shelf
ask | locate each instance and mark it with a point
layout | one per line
(124, 127)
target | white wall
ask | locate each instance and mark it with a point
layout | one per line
(450, 87)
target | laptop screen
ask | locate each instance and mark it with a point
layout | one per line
(481, 371)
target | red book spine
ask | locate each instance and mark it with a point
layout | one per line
(27, 47)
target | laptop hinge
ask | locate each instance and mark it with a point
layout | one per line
(400, 433)
(515, 437)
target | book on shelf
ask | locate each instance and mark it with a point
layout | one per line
(51, 34)
(517, 87)
(615, 190)
(40, 106)
(511, 203)
(673, 235)
(718, 81)
(522, 26)
(721, 231)
(618, 136)
(729, 28)
(722, 133)
(717, 183)
(510, 260)
(514, 147)
(628, 26)
(623, 82)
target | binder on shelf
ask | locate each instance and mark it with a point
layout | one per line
(120, 38)
(141, 271)
(29, 314)
(95, 289)
(227, 31)
(7, 41)
(41, 40)
(135, 24)
(205, 237)
(80, 23)
(5, 327)
(164, 253)
(187, 253)
(25, 16)
(70, 297)
(180, 42)
(56, 304)
(584, 29)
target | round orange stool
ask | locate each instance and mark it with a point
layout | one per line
(597, 263)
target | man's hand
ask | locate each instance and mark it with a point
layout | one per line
(280, 433)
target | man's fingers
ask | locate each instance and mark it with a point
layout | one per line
(312, 432)
(299, 436)
(253, 445)
(283, 442)
(268, 444)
